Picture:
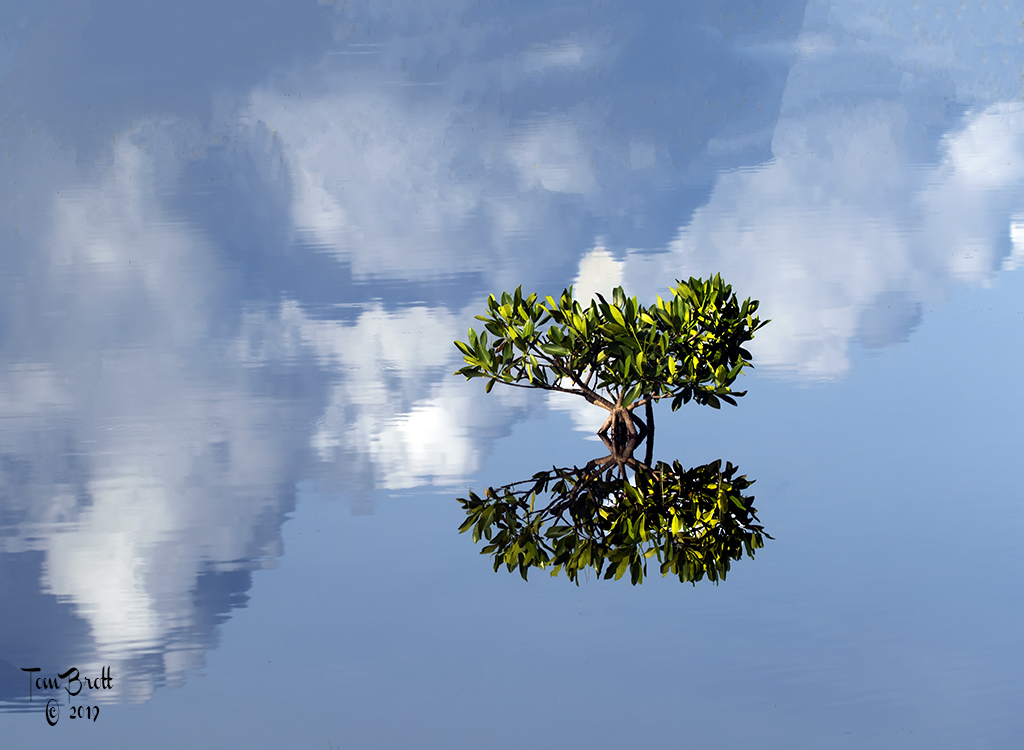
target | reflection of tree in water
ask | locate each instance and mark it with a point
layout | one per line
(616, 513)
(693, 522)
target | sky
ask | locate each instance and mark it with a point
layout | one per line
(239, 240)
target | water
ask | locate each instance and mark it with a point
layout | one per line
(238, 242)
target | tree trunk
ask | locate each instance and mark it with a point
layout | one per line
(619, 428)
(649, 457)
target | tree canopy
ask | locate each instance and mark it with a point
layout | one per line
(619, 355)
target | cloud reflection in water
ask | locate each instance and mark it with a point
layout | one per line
(211, 298)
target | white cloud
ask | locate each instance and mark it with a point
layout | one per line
(843, 235)
(599, 273)
(819, 246)
(549, 154)
(393, 400)
(372, 180)
(138, 437)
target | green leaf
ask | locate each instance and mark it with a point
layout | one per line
(622, 568)
(554, 350)
(677, 524)
(632, 394)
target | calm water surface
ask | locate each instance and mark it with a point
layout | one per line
(237, 242)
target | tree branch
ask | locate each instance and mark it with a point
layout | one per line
(589, 394)
(542, 386)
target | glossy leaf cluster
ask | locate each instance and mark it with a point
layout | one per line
(618, 354)
(693, 522)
